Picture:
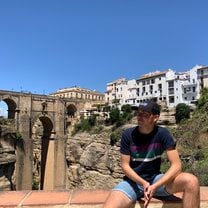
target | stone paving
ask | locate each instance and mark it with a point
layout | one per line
(78, 199)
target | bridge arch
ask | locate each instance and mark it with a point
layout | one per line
(12, 106)
(71, 110)
(43, 136)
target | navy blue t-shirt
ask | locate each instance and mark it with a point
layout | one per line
(146, 150)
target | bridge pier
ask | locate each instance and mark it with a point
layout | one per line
(24, 156)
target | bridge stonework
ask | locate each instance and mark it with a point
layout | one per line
(55, 115)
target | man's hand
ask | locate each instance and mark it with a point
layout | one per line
(149, 190)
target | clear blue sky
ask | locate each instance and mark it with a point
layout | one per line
(46, 45)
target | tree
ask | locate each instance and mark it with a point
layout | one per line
(203, 98)
(126, 108)
(114, 115)
(106, 108)
(182, 112)
(127, 112)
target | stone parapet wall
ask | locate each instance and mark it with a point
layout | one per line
(80, 199)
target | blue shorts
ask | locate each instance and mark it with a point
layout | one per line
(135, 191)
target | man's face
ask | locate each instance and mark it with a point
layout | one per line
(146, 118)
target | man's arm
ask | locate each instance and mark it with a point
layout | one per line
(130, 173)
(172, 172)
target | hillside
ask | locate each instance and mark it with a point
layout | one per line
(192, 142)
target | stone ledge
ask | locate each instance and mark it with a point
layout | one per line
(80, 199)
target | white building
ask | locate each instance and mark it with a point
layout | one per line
(131, 92)
(153, 86)
(115, 91)
(169, 88)
(183, 88)
(121, 92)
(202, 76)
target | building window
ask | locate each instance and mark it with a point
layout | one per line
(159, 87)
(138, 91)
(171, 91)
(171, 99)
(170, 84)
(152, 81)
(150, 89)
(194, 89)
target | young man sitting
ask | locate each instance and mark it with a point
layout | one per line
(141, 150)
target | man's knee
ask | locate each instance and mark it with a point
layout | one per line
(183, 182)
(191, 181)
(117, 199)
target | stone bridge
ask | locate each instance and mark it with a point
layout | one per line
(55, 115)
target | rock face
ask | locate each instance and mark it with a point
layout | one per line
(7, 160)
(92, 161)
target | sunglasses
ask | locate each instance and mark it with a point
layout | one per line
(143, 114)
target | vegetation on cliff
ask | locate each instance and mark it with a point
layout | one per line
(192, 139)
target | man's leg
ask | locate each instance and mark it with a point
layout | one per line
(123, 195)
(117, 199)
(189, 185)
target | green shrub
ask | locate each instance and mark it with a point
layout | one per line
(114, 115)
(182, 112)
(35, 184)
(201, 171)
(85, 124)
(106, 108)
(126, 109)
(115, 136)
(203, 98)
(92, 120)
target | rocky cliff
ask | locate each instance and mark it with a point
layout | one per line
(92, 160)
(7, 159)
